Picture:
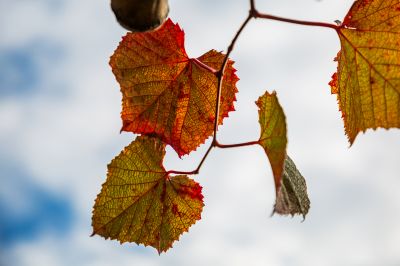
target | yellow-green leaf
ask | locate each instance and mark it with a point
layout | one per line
(273, 133)
(292, 196)
(141, 203)
(367, 82)
(290, 186)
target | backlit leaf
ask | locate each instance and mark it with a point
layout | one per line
(168, 94)
(292, 196)
(273, 133)
(290, 186)
(140, 203)
(367, 82)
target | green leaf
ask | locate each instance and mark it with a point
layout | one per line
(141, 203)
(290, 186)
(273, 133)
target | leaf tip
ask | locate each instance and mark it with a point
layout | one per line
(351, 138)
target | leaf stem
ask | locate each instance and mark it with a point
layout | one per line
(206, 67)
(197, 170)
(181, 172)
(204, 158)
(237, 145)
(295, 21)
(217, 145)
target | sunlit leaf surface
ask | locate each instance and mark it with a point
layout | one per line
(141, 203)
(291, 189)
(367, 82)
(273, 133)
(168, 94)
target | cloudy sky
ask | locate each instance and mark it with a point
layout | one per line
(59, 127)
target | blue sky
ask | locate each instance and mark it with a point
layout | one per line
(59, 128)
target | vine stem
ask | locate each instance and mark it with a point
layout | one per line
(218, 145)
(237, 145)
(253, 13)
(220, 73)
(252, 5)
(220, 76)
(295, 21)
(197, 170)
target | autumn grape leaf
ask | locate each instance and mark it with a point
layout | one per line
(292, 196)
(290, 186)
(367, 82)
(141, 203)
(166, 93)
(273, 133)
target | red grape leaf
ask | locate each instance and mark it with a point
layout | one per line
(168, 94)
(273, 133)
(367, 82)
(292, 196)
(141, 203)
(290, 186)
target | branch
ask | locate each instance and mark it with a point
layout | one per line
(252, 5)
(197, 170)
(253, 13)
(218, 145)
(295, 21)
(220, 73)
(237, 145)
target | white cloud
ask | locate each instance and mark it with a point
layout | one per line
(66, 142)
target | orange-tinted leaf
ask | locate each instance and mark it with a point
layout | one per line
(140, 203)
(273, 133)
(292, 196)
(166, 93)
(367, 82)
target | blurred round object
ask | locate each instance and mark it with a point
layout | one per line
(140, 15)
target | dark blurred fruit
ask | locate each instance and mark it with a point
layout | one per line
(140, 15)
